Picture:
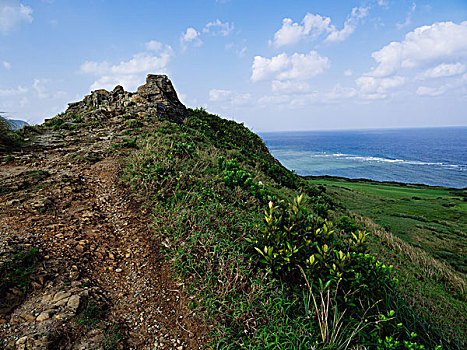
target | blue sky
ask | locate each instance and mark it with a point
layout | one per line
(274, 65)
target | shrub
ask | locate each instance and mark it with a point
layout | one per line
(234, 175)
(355, 289)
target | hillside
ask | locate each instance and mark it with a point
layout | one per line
(130, 221)
(17, 124)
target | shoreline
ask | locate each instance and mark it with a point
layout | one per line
(370, 181)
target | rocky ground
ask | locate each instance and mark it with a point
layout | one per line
(80, 264)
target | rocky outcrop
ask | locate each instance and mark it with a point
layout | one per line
(155, 98)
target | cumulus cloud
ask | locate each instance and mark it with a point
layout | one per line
(458, 84)
(351, 23)
(338, 93)
(372, 88)
(443, 70)
(129, 73)
(6, 65)
(190, 36)
(314, 25)
(193, 37)
(440, 41)
(13, 14)
(154, 46)
(284, 67)
(218, 28)
(291, 33)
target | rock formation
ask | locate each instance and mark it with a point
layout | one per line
(155, 98)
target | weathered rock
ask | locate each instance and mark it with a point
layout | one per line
(61, 295)
(28, 317)
(45, 315)
(155, 98)
(73, 303)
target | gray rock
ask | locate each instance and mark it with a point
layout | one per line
(155, 98)
(73, 303)
(61, 295)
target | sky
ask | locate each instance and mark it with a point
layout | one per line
(273, 65)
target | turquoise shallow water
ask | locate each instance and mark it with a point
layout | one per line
(432, 156)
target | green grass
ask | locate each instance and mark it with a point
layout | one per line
(432, 218)
(424, 239)
(17, 271)
(201, 181)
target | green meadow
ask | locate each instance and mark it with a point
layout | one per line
(431, 218)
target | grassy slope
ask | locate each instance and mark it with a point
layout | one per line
(204, 225)
(417, 229)
(432, 218)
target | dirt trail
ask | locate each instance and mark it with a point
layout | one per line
(99, 279)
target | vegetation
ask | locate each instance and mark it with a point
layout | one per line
(17, 271)
(285, 279)
(9, 139)
(432, 218)
(410, 226)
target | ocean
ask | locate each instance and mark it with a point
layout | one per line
(431, 156)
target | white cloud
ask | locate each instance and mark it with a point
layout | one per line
(191, 36)
(371, 87)
(291, 33)
(229, 97)
(441, 41)
(13, 92)
(338, 93)
(314, 25)
(431, 91)
(408, 19)
(129, 73)
(218, 28)
(153, 45)
(290, 86)
(443, 70)
(294, 67)
(13, 14)
(7, 65)
(348, 73)
(459, 85)
(351, 23)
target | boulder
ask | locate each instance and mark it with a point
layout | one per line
(155, 98)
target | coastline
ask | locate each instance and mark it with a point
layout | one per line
(376, 182)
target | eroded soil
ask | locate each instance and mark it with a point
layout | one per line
(97, 279)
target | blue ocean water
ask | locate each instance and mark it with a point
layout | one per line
(432, 156)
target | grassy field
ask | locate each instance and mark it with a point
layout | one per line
(431, 218)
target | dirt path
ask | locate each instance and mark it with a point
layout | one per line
(97, 249)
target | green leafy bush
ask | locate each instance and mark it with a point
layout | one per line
(354, 288)
(234, 175)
